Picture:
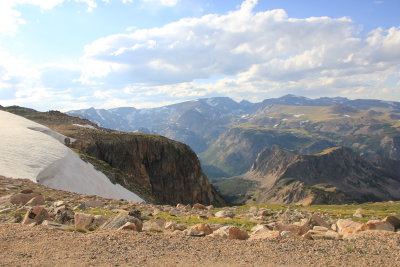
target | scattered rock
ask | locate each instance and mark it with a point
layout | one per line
(36, 201)
(263, 212)
(83, 221)
(55, 225)
(36, 214)
(26, 191)
(136, 214)
(376, 225)
(94, 204)
(199, 206)
(322, 235)
(210, 207)
(316, 220)
(81, 206)
(173, 226)
(358, 214)
(224, 214)
(63, 214)
(129, 226)
(294, 229)
(346, 226)
(203, 227)
(253, 210)
(120, 220)
(157, 225)
(194, 232)
(286, 233)
(22, 198)
(59, 203)
(265, 235)
(393, 220)
(259, 229)
(230, 232)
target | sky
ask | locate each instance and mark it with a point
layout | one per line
(74, 54)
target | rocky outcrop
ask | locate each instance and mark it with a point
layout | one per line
(154, 167)
(169, 170)
(335, 175)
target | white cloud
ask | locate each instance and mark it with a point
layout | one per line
(267, 50)
(242, 54)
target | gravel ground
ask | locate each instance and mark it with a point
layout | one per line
(22, 245)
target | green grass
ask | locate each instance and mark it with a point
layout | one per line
(245, 224)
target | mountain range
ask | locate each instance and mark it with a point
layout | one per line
(228, 135)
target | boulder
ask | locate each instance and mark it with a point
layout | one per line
(318, 221)
(346, 226)
(83, 221)
(129, 226)
(224, 214)
(199, 206)
(156, 225)
(358, 214)
(263, 212)
(94, 203)
(120, 220)
(259, 229)
(210, 207)
(376, 225)
(324, 234)
(62, 214)
(294, 229)
(194, 232)
(22, 198)
(265, 235)
(36, 214)
(230, 232)
(54, 225)
(393, 220)
(59, 203)
(36, 201)
(173, 226)
(202, 227)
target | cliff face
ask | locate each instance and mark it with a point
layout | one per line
(154, 167)
(334, 175)
(169, 170)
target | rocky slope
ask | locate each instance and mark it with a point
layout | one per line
(40, 226)
(335, 175)
(154, 167)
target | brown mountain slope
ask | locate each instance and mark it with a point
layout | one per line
(335, 175)
(156, 168)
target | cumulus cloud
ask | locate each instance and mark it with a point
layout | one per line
(267, 49)
(242, 54)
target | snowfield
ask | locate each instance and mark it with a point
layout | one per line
(33, 151)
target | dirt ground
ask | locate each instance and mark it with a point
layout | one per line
(22, 245)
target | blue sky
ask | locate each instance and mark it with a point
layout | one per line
(71, 54)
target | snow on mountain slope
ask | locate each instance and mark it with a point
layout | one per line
(33, 151)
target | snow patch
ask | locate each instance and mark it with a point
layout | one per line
(348, 116)
(298, 115)
(33, 151)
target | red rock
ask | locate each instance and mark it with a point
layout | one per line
(203, 227)
(376, 225)
(294, 229)
(199, 206)
(83, 220)
(230, 232)
(393, 220)
(347, 226)
(36, 215)
(39, 200)
(22, 199)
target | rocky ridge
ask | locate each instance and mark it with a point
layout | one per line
(335, 175)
